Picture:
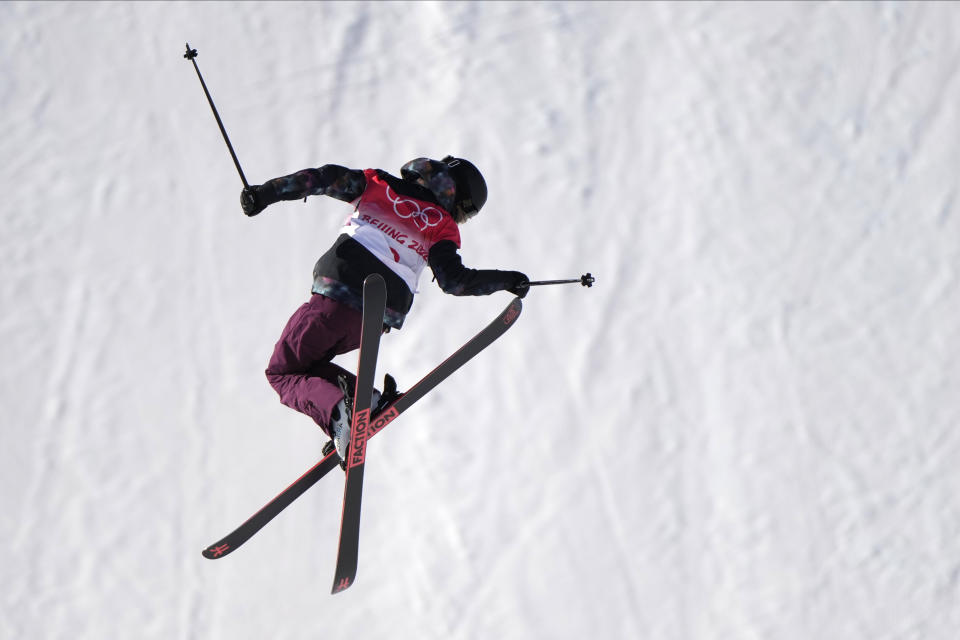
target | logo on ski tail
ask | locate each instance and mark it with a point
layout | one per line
(512, 314)
(216, 552)
(358, 440)
(343, 584)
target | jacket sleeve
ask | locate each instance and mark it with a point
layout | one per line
(458, 280)
(329, 180)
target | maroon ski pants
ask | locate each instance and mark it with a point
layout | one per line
(301, 371)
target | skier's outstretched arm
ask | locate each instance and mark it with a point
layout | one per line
(458, 280)
(329, 180)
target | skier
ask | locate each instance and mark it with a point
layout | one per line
(399, 225)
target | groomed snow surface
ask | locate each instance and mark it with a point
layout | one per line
(748, 429)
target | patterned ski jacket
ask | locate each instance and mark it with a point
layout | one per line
(396, 229)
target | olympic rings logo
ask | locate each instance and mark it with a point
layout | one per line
(422, 218)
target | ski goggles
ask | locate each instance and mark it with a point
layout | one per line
(437, 178)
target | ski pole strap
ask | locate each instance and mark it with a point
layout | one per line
(586, 280)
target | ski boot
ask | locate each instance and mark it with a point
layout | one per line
(342, 415)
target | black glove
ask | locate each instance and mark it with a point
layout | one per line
(520, 285)
(256, 198)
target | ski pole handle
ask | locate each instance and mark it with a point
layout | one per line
(586, 280)
(191, 55)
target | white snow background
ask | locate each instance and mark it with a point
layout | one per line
(746, 429)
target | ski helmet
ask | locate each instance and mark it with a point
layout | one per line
(471, 187)
(457, 184)
(433, 175)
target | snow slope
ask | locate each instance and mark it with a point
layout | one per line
(746, 429)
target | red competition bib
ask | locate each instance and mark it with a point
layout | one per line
(399, 230)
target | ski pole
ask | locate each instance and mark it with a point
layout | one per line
(586, 280)
(191, 55)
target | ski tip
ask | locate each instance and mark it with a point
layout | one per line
(512, 311)
(374, 280)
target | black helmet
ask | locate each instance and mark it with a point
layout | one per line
(471, 187)
(457, 184)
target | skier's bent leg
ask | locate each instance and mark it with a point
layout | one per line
(300, 369)
(311, 395)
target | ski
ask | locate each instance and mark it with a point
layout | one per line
(285, 498)
(374, 304)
